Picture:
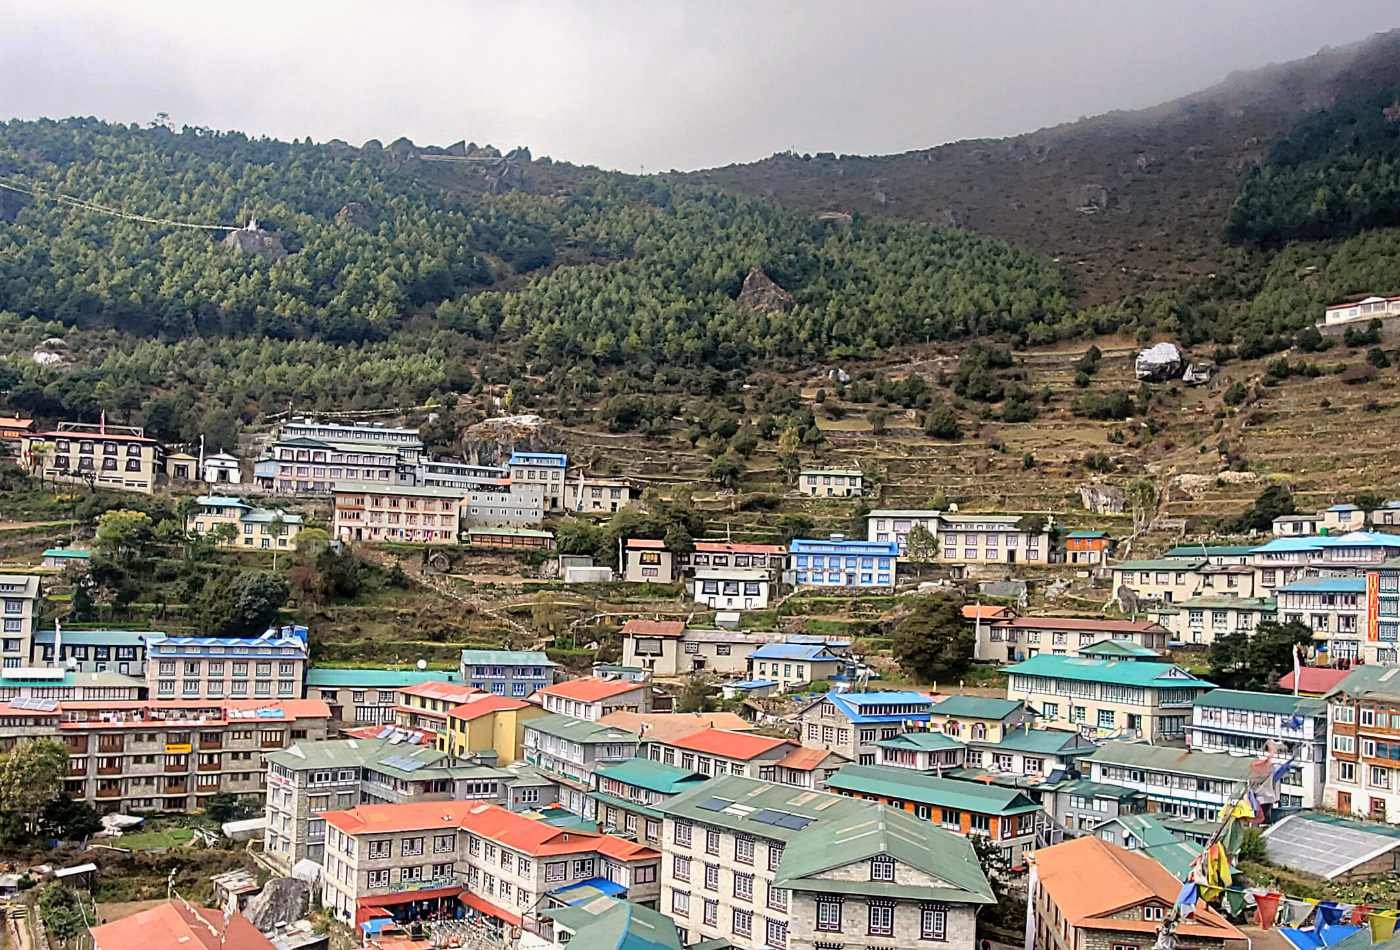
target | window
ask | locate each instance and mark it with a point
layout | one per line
(711, 841)
(682, 833)
(777, 934)
(829, 915)
(743, 922)
(680, 868)
(680, 902)
(743, 886)
(933, 923)
(881, 919)
(711, 912)
(882, 868)
(380, 849)
(743, 850)
(775, 856)
(1152, 912)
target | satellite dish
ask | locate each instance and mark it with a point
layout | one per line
(422, 665)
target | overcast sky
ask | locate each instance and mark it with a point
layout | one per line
(645, 84)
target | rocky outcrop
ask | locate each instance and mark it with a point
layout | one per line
(254, 240)
(51, 352)
(491, 441)
(1102, 499)
(1159, 363)
(354, 215)
(761, 294)
(281, 900)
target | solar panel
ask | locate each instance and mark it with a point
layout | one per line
(794, 822)
(385, 733)
(713, 804)
(406, 763)
(35, 703)
(766, 816)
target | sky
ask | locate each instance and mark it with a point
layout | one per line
(644, 85)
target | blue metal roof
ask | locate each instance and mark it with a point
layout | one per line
(752, 684)
(851, 703)
(1352, 539)
(886, 697)
(551, 459)
(815, 546)
(791, 651)
(101, 638)
(1342, 508)
(1327, 585)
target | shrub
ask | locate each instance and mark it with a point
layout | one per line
(1235, 394)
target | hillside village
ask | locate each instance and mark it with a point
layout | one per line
(417, 547)
(657, 780)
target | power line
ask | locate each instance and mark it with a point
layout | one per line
(85, 205)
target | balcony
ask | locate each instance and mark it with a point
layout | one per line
(277, 743)
(110, 746)
(209, 766)
(114, 792)
(211, 744)
(109, 770)
(175, 788)
(78, 768)
(76, 746)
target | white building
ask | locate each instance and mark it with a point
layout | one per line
(1242, 723)
(545, 469)
(964, 538)
(222, 468)
(831, 482)
(732, 588)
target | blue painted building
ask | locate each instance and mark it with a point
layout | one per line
(842, 563)
(515, 673)
(851, 724)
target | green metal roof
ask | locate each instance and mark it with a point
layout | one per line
(651, 775)
(1090, 789)
(1114, 672)
(910, 786)
(579, 730)
(1232, 768)
(1282, 704)
(1043, 741)
(68, 552)
(975, 707)
(1155, 840)
(333, 677)
(506, 658)
(1119, 648)
(922, 741)
(1265, 604)
(611, 924)
(1160, 564)
(1086, 535)
(1370, 680)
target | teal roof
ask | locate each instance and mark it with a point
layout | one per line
(1231, 768)
(975, 707)
(332, 677)
(910, 786)
(1090, 789)
(506, 658)
(1370, 680)
(579, 730)
(1086, 535)
(68, 552)
(1160, 564)
(1154, 839)
(1044, 742)
(100, 638)
(1115, 672)
(611, 924)
(1281, 704)
(651, 775)
(1125, 649)
(922, 741)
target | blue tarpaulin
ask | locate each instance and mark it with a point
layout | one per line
(585, 891)
(1329, 936)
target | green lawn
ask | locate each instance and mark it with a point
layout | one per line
(156, 839)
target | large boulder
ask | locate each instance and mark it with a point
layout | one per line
(254, 240)
(491, 441)
(1159, 363)
(761, 294)
(282, 899)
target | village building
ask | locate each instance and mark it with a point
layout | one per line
(1334, 609)
(253, 528)
(367, 511)
(506, 506)
(1363, 757)
(530, 539)
(1164, 579)
(1200, 621)
(850, 724)
(28, 683)
(771, 558)
(1037, 754)
(269, 666)
(965, 538)
(629, 795)
(488, 727)
(732, 588)
(719, 752)
(921, 751)
(758, 864)
(1149, 835)
(1296, 526)
(19, 606)
(300, 465)
(117, 458)
(592, 698)
(794, 666)
(1087, 548)
(1341, 519)
(404, 440)
(980, 718)
(1217, 554)
(1240, 722)
(545, 469)
(605, 922)
(424, 706)
(65, 558)
(1107, 698)
(464, 476)
(838, 563)
(177, 924)
(831, 482)
(1089, 893)
(647, 561)
(1008, 818)
(365, 696)
(162, 755)
(517, 673)
(670, 648)
(93, 651)
(12, 433)
(309, 778)
(1020, 638)
(181, 466)
(221, 468)
(595, 494)
(1175, 781)
(1314, 681)
(1369, 308)
(569, 751)
(1387, 515)
(1285, 560)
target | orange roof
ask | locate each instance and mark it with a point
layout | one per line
(1315, 679)
(403, 816)
(621, 849)
(477, 902)
(735, 547)
(805, 759)
(175, 925)
(730, 745)
(415, 736)
(476, 708)
(435, 689)
(653, 628)
(1090, 880)
(590, 689)
(649, 544)
(663, 727)
(985, 612)
(530, 835)
(15, 422)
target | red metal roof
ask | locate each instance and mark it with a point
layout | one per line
(986, 612)
(1316, 679)
(653, 628)
(650, 544)
(478, 903)
(730, 745)
(436, 689)
(805, 759)
(590, 689)
(477, 708)
(736, 547)
(176, 925)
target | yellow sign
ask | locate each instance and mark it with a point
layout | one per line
(178, 748)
